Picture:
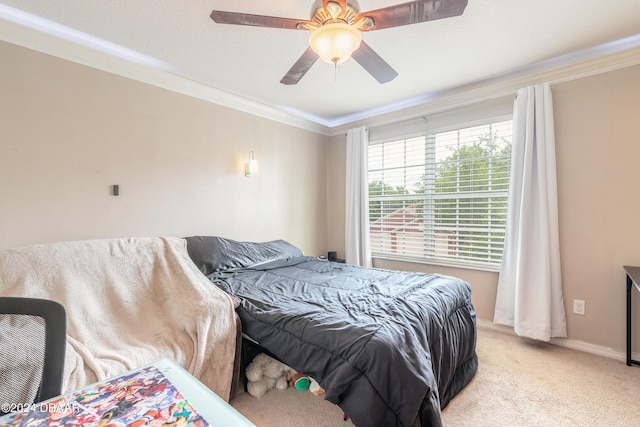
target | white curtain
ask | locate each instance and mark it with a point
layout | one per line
(357, 240)
(530, 285)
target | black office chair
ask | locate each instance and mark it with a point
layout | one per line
(33, 335)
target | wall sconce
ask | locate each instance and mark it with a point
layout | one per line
(251, 167)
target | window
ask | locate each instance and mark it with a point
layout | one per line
(441, 197)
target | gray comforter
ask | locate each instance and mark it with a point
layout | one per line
(390, 348)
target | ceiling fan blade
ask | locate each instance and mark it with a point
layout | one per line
(413, 12)
(300, 68)
(222, 17)
(373, 63)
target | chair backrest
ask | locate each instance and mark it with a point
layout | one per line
(33, 334)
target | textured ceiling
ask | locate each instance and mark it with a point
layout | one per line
(491, 38)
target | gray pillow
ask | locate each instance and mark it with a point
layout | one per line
(212, 253)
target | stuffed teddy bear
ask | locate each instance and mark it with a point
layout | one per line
(265, 373)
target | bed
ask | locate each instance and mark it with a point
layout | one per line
(391, 348)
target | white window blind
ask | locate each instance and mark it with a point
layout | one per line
(441, 197)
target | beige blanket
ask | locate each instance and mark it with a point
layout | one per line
(129, 302)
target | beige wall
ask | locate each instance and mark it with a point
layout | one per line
(336, 178)
(69, 132)
(597, 123)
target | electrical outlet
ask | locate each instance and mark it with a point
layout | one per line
(579, 306)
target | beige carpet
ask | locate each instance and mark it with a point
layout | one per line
(519, 383)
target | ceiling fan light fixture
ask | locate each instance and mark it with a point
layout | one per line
(335, 42)
(335, 27)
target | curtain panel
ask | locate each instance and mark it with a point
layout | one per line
(529, 294)
(357, 239)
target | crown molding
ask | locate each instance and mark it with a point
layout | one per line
(29, 31)
(585, 63)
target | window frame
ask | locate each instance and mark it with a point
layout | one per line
(431, 132)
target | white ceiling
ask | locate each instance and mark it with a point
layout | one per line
(490, 39)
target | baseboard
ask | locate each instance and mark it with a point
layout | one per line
(565, 342)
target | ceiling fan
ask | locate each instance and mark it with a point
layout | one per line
(336, 26)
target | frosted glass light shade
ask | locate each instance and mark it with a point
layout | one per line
(251, 166)
(334, 43)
